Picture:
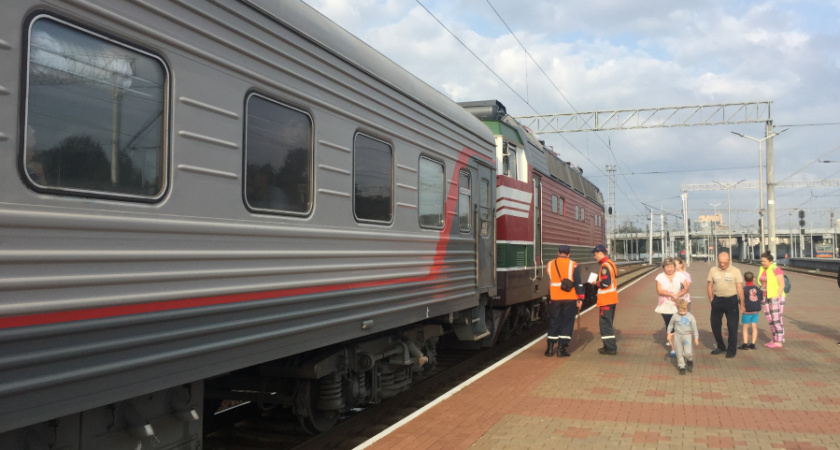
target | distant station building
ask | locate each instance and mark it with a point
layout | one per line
(706, 222)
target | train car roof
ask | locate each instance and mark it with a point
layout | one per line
(317, 28)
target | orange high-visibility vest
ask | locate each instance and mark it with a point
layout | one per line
(567, 268)
(609, 295)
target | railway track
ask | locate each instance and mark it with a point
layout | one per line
(277, 429)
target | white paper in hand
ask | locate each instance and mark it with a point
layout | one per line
(592, 278)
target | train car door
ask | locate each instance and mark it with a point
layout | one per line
(485, 221)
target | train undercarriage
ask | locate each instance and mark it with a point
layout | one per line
(318, 386)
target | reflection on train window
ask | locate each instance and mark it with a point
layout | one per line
(95, 114)
(278, 157)
(554, 204)
(372, 175)
(431, 191)
(561, 204)
(509, 161)
(582, 214)
(577, 212)
(464, 201)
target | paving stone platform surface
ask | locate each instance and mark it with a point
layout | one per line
(766, 398)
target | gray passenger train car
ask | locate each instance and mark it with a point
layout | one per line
(222, 190)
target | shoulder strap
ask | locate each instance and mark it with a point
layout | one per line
(557, 269)
(614, 269)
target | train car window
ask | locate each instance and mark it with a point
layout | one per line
(554, 204)
(464, 202)
(278, 157)
(95, 115)
(372, 179)
(577, 212)
(484, 206)
(561, 206)
(582, 214)
(431, 193)
(484, 199)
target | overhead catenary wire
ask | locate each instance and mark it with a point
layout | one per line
(487, 66)
(810, 164)
(566, 99)
(528, 56)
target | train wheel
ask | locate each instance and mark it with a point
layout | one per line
(312, 419)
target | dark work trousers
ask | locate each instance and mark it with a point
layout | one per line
(729, 307)
(561, 320)
(606, 324)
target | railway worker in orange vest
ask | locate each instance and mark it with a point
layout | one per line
(607, 299)
(566, 298)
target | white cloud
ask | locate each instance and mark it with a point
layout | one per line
(605, 54)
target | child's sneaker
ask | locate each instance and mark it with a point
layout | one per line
(752, 346)
(682, 370)
(668, 344)
(744, 347)
(689, 365)
(673, 354)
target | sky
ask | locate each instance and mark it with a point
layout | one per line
(553, 57)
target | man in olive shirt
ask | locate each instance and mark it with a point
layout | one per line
(726, 293)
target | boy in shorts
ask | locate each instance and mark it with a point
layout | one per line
(752, 305)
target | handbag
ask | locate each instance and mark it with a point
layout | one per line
(567, 285)
(666, 307)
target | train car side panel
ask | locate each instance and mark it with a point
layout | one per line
(108, 296)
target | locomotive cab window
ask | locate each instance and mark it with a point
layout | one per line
(278, 158)
(372, 179)
(509, 161)
(464, 201)
(430, 191)
(95, 114)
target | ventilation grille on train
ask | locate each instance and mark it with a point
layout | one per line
(520, 258)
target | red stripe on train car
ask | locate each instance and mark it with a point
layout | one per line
(171, 305)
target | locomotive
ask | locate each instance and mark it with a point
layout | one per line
(536, 195)
(241, 200)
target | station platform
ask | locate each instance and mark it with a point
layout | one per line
(765, 398)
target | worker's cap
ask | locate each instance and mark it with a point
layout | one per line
(564, 249)
(599, 248)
